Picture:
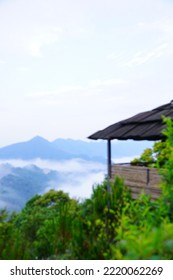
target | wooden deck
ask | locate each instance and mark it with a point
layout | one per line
(138, 179)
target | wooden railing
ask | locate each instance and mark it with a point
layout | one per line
(138, 179)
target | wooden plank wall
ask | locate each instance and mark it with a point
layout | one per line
(139, 178)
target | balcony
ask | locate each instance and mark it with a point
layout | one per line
(138, 179)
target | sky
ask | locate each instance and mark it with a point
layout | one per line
(70, 68)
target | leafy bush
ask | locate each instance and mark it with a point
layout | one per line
(159, 154)
(96, 223)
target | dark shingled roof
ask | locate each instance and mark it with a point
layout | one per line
(143, 126)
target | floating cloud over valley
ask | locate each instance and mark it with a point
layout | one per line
(76, 177)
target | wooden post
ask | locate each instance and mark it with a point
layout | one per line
(109, 163)
(109, 158)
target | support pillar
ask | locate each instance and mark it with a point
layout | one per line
(109, 158)
(108, 164)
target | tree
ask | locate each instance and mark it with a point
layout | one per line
(159, 154)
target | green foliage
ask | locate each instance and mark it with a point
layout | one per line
(167, 171)
(159, 154)
(95, 226)
(45, 222)
(144, 243)
(147, 158)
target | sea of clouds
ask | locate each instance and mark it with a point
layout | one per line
(77, 176)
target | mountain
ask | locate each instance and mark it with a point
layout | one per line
(88, 150)
(64, 149)
(17, 185)
(98, 149)
(37, 147)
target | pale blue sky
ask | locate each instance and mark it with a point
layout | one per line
(69, 68)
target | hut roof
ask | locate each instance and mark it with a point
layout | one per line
(143, 126)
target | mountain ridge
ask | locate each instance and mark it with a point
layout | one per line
(64, 149)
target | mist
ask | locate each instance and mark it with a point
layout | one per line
(75, 177)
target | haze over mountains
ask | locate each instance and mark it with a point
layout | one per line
(64, 149)
(19, 184)
(35, 166)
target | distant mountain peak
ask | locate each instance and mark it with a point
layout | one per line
(38, 139)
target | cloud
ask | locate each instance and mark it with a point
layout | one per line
(29, 40)
(80, 94)
(65, 166)
(75, 177)
(162, 31)
(42, 37)
(124, 159)
(80, 186)
(30, 28)
(145, 41)
(142, 57)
